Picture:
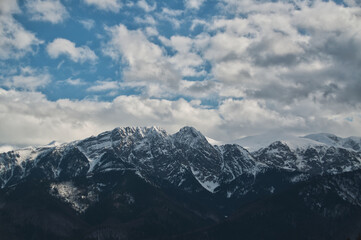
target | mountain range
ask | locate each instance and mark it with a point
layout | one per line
(143, 183)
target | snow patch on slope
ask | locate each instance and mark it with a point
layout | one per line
(78, 199)
(208, 185)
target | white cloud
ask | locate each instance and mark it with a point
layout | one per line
(104, 86)
(171, 12)
(255, 117)
(146, 62)
(61, 46)
(197, 22)
(145, 6)
(65, 120)
(47, 10)
(251, 6)
(353, 3)
(194, 4)
(308, 51)
(28, 79)
(146, 20)
(149, 67)
(151, 31)
(87, 23)
(9, 7)
(172, 16)
(106, 5)
(187, 61)
(75, 82)
(15, 41)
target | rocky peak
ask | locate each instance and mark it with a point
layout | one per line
(190, 136)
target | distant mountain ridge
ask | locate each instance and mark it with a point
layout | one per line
(152, 152)
(254, 143)
(183, 171)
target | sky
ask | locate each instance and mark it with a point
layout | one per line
(70, 69)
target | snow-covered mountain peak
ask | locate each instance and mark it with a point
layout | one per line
(190, 136)
(141, 131)
(190, 130)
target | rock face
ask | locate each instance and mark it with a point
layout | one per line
(137, 177)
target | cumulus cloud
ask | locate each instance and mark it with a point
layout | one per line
(27, 79)
(106, 5)
(146, 62)
(9, 7)
(87, 23)
(194, 4)
(104, 86)
(75, 82)
(172, 16)
(309, 51)
(145, 6)
(15, 41)
(149, 66)
(186, 59)
(61, 46)
(146, 20)
(47, 10)
(151, 31)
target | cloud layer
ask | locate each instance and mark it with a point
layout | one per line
(28, 117)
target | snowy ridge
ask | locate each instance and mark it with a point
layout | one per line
(254, 143)
(314, 159)
(148, 150)
(185, 159)
(353, 143)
